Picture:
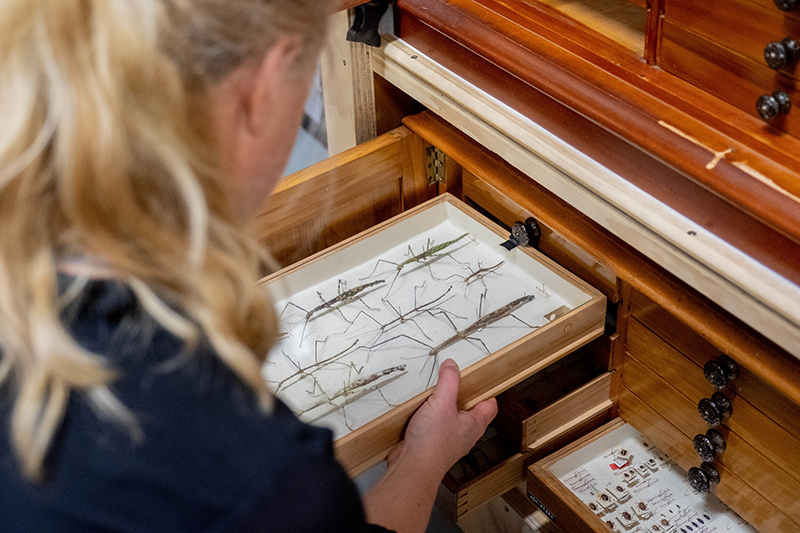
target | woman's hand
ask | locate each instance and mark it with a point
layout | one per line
(439, 434)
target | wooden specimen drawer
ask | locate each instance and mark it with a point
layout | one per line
(725, 73)
(742, 26)
(411, 306)
(617, 479)
(559, 397)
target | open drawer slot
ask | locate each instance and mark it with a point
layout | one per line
(561, 396)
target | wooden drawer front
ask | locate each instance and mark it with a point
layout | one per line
(559, 397)
(739, 25)
(459, 500)
(751, 505)
(693, 346)
(741, 459)
(726, 74)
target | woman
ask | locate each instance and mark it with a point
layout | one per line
(137, 137)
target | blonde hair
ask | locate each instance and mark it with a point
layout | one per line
(105, 153)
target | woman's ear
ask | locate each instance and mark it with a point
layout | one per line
(260, 110)
(273, 79)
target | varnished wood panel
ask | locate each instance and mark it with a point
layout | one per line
(749, 423)
(740, 25)
(774, 366)
(623, 99)
(741, 458)
(621, 21)
(685, 340)
(664, 183)
(751, 505)
(483, 194)
(726, 74)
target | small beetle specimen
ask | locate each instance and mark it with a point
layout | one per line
(425, 258)
(466, 333)
(343, 298)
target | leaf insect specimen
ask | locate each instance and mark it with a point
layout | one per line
(426, 257)
(359, 386)
(468, 332)
(343, 298)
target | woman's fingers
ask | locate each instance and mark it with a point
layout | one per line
(446, 389)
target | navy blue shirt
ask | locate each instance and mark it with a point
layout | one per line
(208, 460)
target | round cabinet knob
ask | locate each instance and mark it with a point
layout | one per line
(721, 372)
(716, 409)
(786, 5)
(782, 54)
(770, 106)
(703, 478)
(709, 445)
(704, 447)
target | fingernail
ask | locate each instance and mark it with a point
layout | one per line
(451, 363)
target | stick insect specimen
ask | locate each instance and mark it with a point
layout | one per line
(468, 332)
(409, 316)
(426, 257)
(355, 387)
(476, 275)
(308, 371)
(342, 299)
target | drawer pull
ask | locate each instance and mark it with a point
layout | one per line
(701, 479)
(786, 5)
(709, 445)
(721, 372)
(716, 409)
(782, 54)
(770, 106)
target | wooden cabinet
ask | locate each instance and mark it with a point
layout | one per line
(653, 180)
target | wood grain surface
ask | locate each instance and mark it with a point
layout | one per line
(726, 74)
(742, 26)
(623, 96)
(774, 366)
(682, 338)
(751, 505)
(749, 461)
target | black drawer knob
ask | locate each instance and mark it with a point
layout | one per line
(709, 445)
(770, 106)
(703, 478)
(721, 372)
(782, 54)
(786, 5)
(715, 409)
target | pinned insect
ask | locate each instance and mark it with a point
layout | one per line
(307, 371)
(358, 387)
(477, 275)
(343, 298)
(409, 316)
(468, 332)
(430, 254)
